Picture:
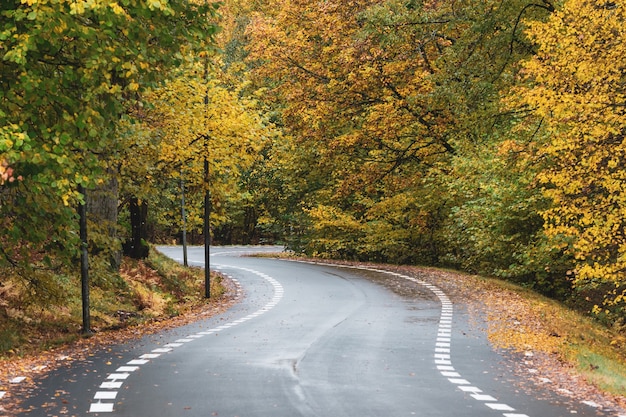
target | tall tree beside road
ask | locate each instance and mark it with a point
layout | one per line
(228, 131)
(383, 100)
(577, 90)
(70, 70)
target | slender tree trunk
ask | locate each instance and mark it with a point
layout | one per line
(184, 221)
(84, 264)
(102, 206)
(136, 247)
(207, 232)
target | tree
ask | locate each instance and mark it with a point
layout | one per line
(69, 72)
(382, 98)
(575, 86)
(226, 130)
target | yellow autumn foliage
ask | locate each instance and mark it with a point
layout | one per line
(201, 118)
(577, 86)
(336, 232)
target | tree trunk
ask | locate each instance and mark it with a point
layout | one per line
(136, 246)
(102, 216)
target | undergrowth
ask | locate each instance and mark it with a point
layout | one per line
(142, 291)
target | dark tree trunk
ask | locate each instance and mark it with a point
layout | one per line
(136, 247)
(84, 265)
(101, 207)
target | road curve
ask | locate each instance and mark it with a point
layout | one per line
(307, 340)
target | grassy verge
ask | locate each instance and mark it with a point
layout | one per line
(155, 289)
(144, 298)
(522, 320)
(186, 283)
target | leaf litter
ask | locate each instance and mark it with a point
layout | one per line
(32, 367)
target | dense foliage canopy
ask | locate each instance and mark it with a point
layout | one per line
(486, 136)
(70, 73)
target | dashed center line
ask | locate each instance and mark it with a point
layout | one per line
(110, 387)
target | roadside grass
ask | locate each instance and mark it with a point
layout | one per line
(186, 283)
(597, 353)
(523, 320)
(156, 289)
(605, 373)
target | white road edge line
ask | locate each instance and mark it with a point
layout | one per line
(114, 381)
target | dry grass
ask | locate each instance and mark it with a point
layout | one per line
(148, 303)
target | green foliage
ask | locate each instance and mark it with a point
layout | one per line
(69, 72)
(495, 227)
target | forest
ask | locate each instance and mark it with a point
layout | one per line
(484, 136)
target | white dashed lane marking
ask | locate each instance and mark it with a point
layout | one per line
(110, 387)
(443, 343)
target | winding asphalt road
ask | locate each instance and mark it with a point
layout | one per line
(304, 340)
